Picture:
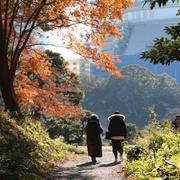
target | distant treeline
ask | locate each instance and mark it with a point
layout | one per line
(133, 95)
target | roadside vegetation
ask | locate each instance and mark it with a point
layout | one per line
(160, 158)
(27, 152)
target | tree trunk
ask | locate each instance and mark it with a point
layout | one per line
(7, 89)
(6, 83)
(9, 97)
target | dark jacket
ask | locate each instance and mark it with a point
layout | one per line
(117, 126)
(93, 131)
(176, 123)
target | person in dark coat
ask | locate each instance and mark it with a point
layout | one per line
(94, 144)
(176, 123)
(117, 129)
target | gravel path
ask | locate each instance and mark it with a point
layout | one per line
(83, 169)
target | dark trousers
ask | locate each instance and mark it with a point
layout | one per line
(117, 147)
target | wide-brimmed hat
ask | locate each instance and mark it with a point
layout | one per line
(94, 117)
(117, 113)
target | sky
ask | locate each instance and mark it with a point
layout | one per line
(59, 44)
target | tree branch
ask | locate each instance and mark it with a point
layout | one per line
(11, 24)
(19, 49)
(1, 26)
(172, 164)
(44, 44)
(5, 22)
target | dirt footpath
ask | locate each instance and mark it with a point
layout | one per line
(83, 169)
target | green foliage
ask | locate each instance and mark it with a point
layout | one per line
(162, 156)
(165, 50)
(26, 151)
(133, 94)
(160, 3)
(63, 75)
(75, 96)
(134, 152)
(131, 132)
(57, 61)
(70, 129)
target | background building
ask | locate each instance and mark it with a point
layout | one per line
(74, 65)
(141, 26)
(80, 67)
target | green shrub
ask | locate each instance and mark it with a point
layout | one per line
(70, 129)
(134, 153)
(131, 132)
(162, 154)
(26, 151)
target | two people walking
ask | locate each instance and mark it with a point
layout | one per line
(117, 130)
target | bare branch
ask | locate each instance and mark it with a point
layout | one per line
(19, 49)
(172, 164)
(1, 24)
(11, 23)
(6, 21)
(44, 44)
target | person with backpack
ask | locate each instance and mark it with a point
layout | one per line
(118, 132)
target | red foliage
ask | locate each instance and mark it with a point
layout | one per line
(48, 98)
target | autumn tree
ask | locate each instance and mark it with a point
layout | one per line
(21, 25)
(50, 89)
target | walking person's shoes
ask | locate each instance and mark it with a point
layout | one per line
(120, 158)
(94, 161)
(115, 161)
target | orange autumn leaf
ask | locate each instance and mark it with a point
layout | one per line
(47, 99)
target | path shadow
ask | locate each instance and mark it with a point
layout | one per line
(109, 164)
(87, 164)
(72, 173)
